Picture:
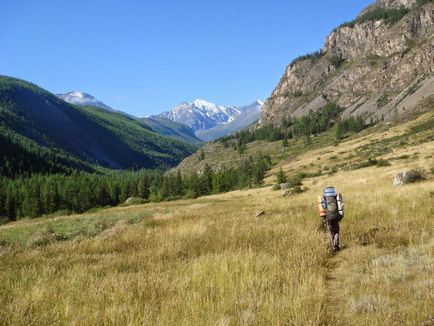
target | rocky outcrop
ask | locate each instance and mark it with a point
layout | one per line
(389, 4)
(363, 68)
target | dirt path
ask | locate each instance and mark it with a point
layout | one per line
(337, 303)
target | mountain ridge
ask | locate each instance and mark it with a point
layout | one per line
(39, 124)
(83, 98)
(377, 66)
(202, 116)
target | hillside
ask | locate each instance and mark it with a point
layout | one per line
(413, 129)
(46, 134)
(376, 66)
(211, 261)
(172, 129)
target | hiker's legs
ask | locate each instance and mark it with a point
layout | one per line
(333, 228)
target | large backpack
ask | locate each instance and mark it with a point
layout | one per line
(332, 203)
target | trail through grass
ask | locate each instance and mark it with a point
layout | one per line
(210, 261)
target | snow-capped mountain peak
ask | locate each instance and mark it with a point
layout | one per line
(202, 115)
(203, 104)
(82, 98)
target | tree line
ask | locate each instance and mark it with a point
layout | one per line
(80, 191)
(312, 123)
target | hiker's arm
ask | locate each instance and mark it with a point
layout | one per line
(322, 211)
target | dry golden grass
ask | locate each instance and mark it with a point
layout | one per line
(210, 261)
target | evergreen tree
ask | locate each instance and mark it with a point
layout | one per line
(285, 143)
(179, 184)
(143, 187)
(281, 177)
(339, 130)
(206, 180)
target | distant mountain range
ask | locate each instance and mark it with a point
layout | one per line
(160, 125)
(39, 132)
(188, 121)
(210, 121)
(248, 115)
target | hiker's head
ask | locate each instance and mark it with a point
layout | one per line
(329, 191)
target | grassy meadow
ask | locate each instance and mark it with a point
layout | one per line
(211, 261)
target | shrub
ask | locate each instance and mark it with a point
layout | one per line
(281, 177)
(382, 162)
(336, 60)
(415, 175)
(314, 55)
(295, 180)
(276, 187)
(390, 16)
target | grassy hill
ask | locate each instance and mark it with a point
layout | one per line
(40, 127)
(374, 142)
(211, 261)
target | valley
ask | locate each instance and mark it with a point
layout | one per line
(211, 261)
(209, 214)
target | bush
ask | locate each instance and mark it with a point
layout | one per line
(276, 187)
(382, 162)
(415, 175)
(336, 60)
(295, 180)
(281, 177)
(314, 55)
(390, 16)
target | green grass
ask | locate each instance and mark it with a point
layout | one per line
(210, 261)
(51, 230)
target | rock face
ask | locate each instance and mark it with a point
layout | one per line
(375, 69)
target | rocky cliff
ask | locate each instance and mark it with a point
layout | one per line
(377, 66)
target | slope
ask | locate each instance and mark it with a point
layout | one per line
(32, 118)
(173, 130)
(228, 267)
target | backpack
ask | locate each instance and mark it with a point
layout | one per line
(333, 204)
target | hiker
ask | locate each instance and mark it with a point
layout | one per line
(331, 209)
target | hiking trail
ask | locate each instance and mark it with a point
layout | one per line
(336, 301)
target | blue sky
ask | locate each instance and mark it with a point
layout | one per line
(144, 57)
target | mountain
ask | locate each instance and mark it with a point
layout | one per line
(162, 126)
(172, 129)
(202, 116)
(42, 133)
(377, 66)
(249, 114)
(82, 98)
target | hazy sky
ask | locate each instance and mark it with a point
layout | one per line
(144, 57)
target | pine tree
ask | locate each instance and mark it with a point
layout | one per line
(206, 180)
(339, 130)
(285, 143)
(143, 187)
(281, 177)
(179, 185)
(103, 194)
